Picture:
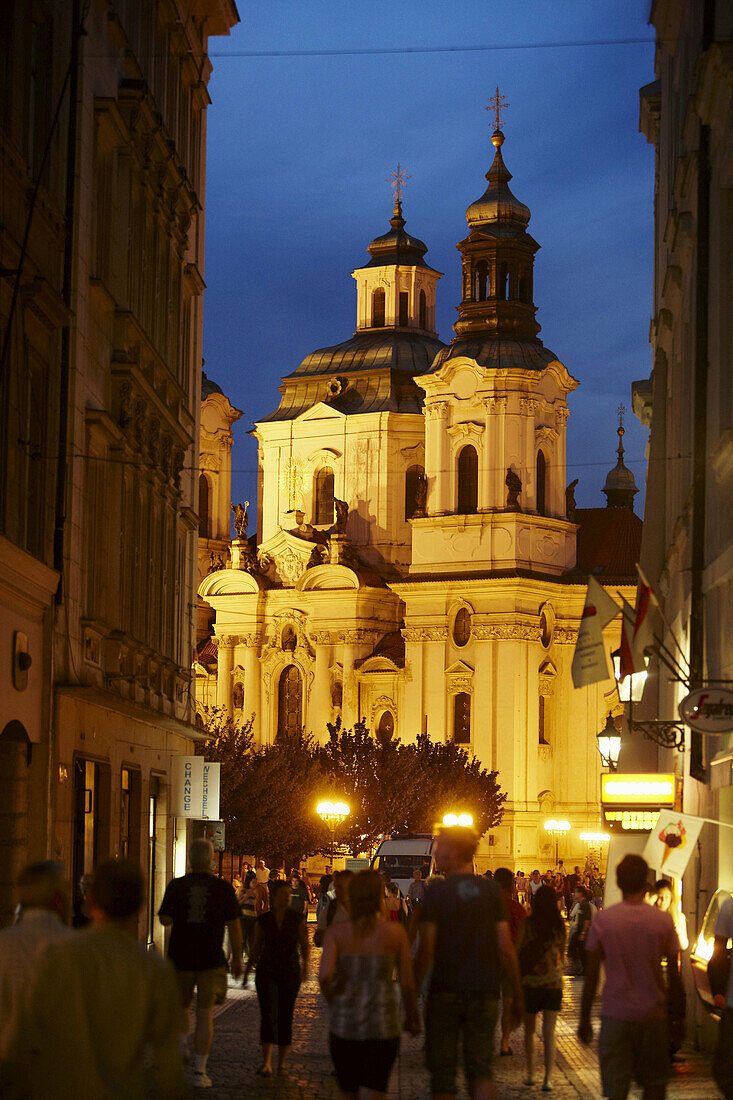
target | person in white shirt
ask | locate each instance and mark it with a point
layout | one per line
(262, 872)
(721, 986)
(106, 1015)
(44, 904)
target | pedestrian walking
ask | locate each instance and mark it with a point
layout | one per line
(533, 885)
(198, 908)
(104, 1007)
(253, 900)
(464, 936)
(516, 913)
(416, 889)
(263, 872)
(43, 898)
(356, 978)
(281, 937)
(298, 895)
(541, 954)
(639, 1016)
(721, 986)
(337, 910)
(394, 904)
(581, 916)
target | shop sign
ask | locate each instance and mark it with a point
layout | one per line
(708, 710)
(210, 791)
(631, 803)
(187, 785)
(671, 842)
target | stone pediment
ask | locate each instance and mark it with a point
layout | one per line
(459, 668)
(230, 582)
(285, 557)
(320, 411)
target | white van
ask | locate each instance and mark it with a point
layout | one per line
(402, 854)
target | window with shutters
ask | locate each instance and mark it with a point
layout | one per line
(462, 718)
(467, 481)
(404, 308)
(423, 308)
(204, 516)
(289, 702)
(413, 482)
(323, 493)
(541, 483)
(462, 627)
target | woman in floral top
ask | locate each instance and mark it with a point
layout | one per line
(541, 951)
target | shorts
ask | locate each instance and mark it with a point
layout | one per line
(631, 1049)
(363, 1063)
(210, 985)
(538, 998)
(450, 1016)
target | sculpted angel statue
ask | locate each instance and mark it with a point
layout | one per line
(240, 519)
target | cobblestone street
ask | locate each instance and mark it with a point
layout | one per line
(235, 1056)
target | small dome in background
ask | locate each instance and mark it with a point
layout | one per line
(497, 204)
(620, 487)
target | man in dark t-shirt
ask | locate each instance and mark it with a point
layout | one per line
(465, 939)
(198, 907)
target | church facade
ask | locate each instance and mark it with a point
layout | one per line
(416, 556)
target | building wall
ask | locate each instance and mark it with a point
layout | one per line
(129, 314)
(687, 114)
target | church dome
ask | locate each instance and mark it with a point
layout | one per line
(620, 488)
(397, 246)
(497, 204)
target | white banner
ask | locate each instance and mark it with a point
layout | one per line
(671, 842)
(187, 786)
(210, 792)
(590, 663)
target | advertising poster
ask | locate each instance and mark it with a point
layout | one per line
(671, 842)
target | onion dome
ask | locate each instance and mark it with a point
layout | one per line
(620, 487)
(497, 204)
(396, 246)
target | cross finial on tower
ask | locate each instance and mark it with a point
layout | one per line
(497, 104)
(397, 182)
(621, 410)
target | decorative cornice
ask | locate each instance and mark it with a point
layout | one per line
(466, 428)
(436, 410)
(495, 404)
(561, 415)
(545, 434)
(321, 637)
(564, 636)
(505, 632)
(357, 637)
(251, 641)
(425, 634)
(529, 405)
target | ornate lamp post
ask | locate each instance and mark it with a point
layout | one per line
(609, 744)
(333, 813)
(557, 829)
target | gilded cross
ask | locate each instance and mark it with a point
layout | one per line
(397, 182)
(497, 104)
(621, 410)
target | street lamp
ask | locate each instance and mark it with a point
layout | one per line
(333, 813)
(557, 829)
(464, 820)
(609, 744)
(631, 688)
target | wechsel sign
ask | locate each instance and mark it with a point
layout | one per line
(210, 792)
(187, 783)
(708, 710)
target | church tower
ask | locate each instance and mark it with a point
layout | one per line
(495, 410)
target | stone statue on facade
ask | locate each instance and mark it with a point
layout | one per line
(513, 483)
(240, 519)
(216, 562)
(421, 496)
(570, 504)
(342, 515)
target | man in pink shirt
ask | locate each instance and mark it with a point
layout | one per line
(631, 939)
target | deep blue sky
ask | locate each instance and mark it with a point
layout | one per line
(299, 149)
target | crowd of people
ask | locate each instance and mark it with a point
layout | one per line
(100, 1016)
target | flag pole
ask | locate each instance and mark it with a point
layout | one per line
(653, 595)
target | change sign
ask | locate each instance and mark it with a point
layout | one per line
(187, 783)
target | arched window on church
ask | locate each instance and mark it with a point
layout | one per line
(323, 495)
(413, 483)
(541, 483)
(462, 718)
(404, 318)
(525, 294)
(482, 281)
(289, 702)
(423, 308)
(385, 728)
(467, 481)
(378, 308)
(502, 283)
(204, 508)
(543, 730)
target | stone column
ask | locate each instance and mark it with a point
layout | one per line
(494, 451)
(349, 702)
(410, 720)
(436, 458)
(252, 692)
(435, 638)
(320, 700)
(225, 663)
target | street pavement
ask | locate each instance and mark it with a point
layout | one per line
(235, 1056)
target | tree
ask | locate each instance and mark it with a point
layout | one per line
(391, 786)
(268, 795)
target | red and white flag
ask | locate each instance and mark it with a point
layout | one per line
(636, 636)
(590, 661)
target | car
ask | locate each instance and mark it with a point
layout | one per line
(398, 856)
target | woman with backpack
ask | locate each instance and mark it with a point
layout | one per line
(541, 953)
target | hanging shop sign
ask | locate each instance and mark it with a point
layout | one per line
(210, 791)
(708, 710)
(630, 803)
(671, 842)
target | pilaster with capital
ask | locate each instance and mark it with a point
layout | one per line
(252, 686)
(436, 456)
(495, 415)
(320, 705)
(225, 664)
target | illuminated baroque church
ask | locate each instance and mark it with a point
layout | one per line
(418, 560)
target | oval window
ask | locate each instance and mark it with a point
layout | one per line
(385, 729)
(462, 627)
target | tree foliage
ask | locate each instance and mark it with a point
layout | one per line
(269, 794)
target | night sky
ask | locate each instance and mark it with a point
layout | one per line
(300, 148)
